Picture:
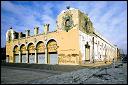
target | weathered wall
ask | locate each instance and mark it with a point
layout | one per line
(83, 39)
(67, 43)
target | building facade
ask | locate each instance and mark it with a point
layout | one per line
(74, 42)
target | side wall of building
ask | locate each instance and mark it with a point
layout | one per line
(103, 50)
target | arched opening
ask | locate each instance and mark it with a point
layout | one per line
(23, 54)
(67, 22)
(31, 53)
(87, 52)
(40, 52)
(52, 52)
(16, 54)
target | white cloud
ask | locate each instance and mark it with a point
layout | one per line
(10, 7)
(109, 22)
(48, 9)
(49, 20)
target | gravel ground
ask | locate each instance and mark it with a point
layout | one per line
(117, 75)
(110, 75)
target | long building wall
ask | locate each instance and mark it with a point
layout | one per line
(102, 50)
(66, 45)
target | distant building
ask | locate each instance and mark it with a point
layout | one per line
(3, 53)
(74, 42)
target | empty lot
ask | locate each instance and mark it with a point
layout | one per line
(20, 75)
(14, 75)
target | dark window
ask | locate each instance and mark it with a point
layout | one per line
(67, 23)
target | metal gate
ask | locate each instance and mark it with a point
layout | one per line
(41, 58)
(32, 58)
(24, 58)
(17, 58)
(53, 58)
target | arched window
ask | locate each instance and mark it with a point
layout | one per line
(16, 54)
(23, 48)
(67, 23)
(31, 50)
(16, 50)
(52, 46)
(40, 52)
(52, 52)
(40, 47)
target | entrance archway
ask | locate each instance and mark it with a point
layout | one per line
(87, 52)
(31, 53)
(52, 52)
(40, 52)
(16, 54)
(23, 54)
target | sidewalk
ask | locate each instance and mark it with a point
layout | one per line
(97, 64)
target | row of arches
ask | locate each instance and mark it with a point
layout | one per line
(39, 53)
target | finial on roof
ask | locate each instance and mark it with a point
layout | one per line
(68, 7)
(10, 27)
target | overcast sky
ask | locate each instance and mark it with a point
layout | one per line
(109, 17)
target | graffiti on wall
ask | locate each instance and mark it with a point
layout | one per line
(31, 48)
(69, 50)
(40, 47)
(52, 46)
(23, 49)
(69, 58)
(16, 51)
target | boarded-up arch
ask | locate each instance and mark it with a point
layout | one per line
(24, 58)
(40, 47)
(23, 49)
(52, 52)
(31, 48)
(52, 45)
(16, 50)
(16, 54)
(31, 53)
(40, 52)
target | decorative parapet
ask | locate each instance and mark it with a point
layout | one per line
(36, 29)
(27, 33)
(46, 28)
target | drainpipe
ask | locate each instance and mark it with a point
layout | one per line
(93, 48)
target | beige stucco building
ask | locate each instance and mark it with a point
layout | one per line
(74, 42)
